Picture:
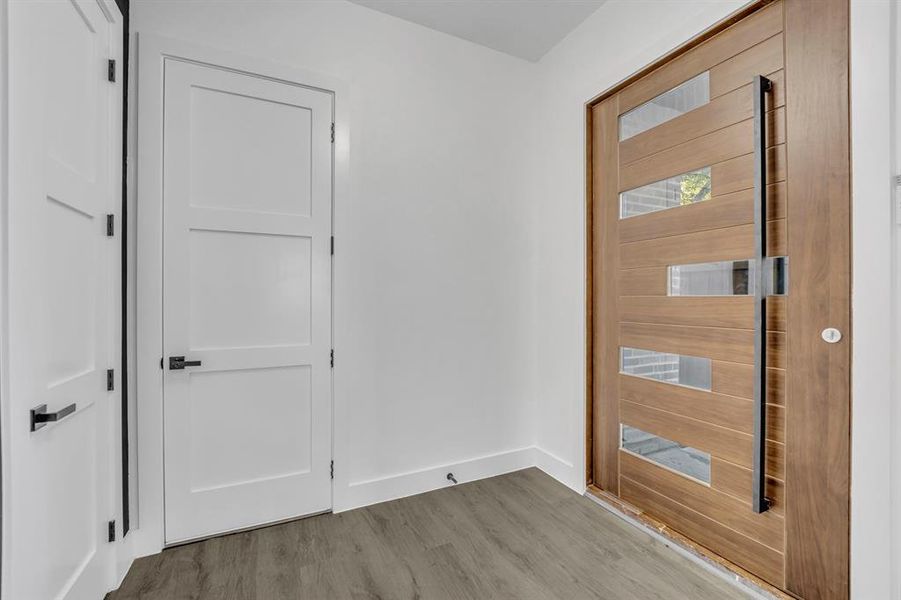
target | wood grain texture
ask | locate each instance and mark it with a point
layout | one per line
(717, 343)
(729, 109)
(605, 279)
(819, 221)
(735, 480)
(721, 442)
(727, 210)
(737, 379)
(709, 149)
(734, 312)
(738, 173)
(711, 407)
(727, 243)
(649, 281)
(748, 32)
(766, 528)
(521, 535)
(742, 550)
(765, 58)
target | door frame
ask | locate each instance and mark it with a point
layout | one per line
(592, 421)
(152, 52)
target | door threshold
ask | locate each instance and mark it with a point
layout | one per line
(712, 562)
(244, 529)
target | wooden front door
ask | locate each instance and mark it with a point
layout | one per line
(720, 294)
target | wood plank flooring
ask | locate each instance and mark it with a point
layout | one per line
(518, 536)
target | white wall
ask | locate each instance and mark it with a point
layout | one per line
(4, 317)
(874, 562)
(431, 268)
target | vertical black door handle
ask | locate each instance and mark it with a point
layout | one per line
(762, 86)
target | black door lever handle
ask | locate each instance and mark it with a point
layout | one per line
(176, 363)
(40, 416)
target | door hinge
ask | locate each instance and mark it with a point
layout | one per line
(898, 199)
(111, 70)
(332, 470)
(110, 226)
(332, 247)
(111, 531)
(332, 358)
(333, 133)
(109, 380)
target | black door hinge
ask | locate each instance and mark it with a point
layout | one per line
(332, 358)
(332, 470)
(111, 70)
(111, 531)
(332, 247)
(110, 225)
(109, 380)
(333, 133)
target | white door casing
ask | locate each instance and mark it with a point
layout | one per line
(64, 179)
(247, 188)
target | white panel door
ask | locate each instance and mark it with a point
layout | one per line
(65, 177)
(247, 279)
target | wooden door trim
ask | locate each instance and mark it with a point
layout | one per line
(818, 466)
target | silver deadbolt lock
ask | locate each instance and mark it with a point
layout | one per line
(831, 335)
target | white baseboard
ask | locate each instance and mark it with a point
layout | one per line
(559, 469)
(392, 487)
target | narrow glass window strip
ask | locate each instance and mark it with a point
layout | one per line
(681, 99)
(692, 371)
(679, 190)
(726, 278)
(670, 455)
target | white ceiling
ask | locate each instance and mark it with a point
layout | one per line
(523, 28)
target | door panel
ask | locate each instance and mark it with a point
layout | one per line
(65, 178)
(756, 557)
(728, 210)
(247, 294)
(733, 107)
(734, 312)
(765, 58)
(731, 512)
(673, 326)
(737, 380)
(715, 147)
(819, 216)
(726, 243)
(735, 480)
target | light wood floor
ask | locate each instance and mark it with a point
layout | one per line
(517, 536)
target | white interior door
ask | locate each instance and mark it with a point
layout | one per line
(64, 178)
(247, 278)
